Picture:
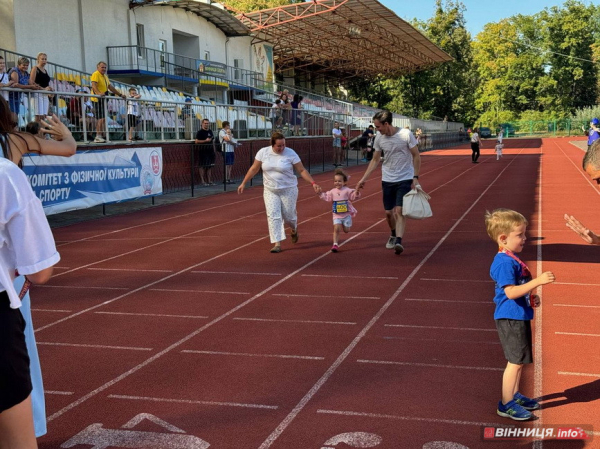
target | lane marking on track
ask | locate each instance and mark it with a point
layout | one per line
(576, 305)
(82, 345)
(442, 327)
(61, 393)
(428, 365)
(325, 377)
(575, 283)
(346, 277)
(577, 334)
(445, 340)
(410, 418)
(131, 269)
(152, 314)
(174, 290)
(85, 287)
(51, 310)
(451, 301)
(244, 273)
(243, 354)
(167, 350)
(457, 280)
(290, 295)
(272, 320)
(566, 373)
(191, 401)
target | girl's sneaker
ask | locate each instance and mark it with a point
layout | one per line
(334, 248)
(514, 411)
(525, 402)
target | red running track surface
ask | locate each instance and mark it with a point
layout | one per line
(175, 327)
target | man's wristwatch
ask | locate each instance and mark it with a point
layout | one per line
(416, 177)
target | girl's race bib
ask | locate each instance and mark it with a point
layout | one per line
(340, 207)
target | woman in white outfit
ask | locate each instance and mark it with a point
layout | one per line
(280, 187)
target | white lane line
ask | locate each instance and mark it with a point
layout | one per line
(576, 305)
(409, 418)
(167, 350)
(61, 393)
(451, 301)
(85, 287)
(566, 373)
(271, 320)
(442, 327)
(577, 334)
(81, 345)
(538, 319)
(175, 290)
(325, 377)
(190, 401)
(575, 283)
(456, 280)
(51, 310)
(243, 354)
(62, 268)
(428, 365)
(289, 295)
(152, 314)
(444, 340)
(345, 277)
(131, 269)
(237, 272)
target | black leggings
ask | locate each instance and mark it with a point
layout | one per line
(475, 150)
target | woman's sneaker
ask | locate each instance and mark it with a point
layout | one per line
(514, 411)
(391, 242)
(525, 402)
(334, 248)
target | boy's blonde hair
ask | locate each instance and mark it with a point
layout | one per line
(502, 221)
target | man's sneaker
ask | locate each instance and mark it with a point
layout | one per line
(398, 248)
(525, 402)
(514, 411)
(391, 242)
(334, 248)
(295, 237)
(99, 139)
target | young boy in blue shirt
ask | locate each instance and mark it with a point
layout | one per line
(514, 307)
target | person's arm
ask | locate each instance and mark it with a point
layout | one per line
(95, 90)
(416, 165)
(586, 234)
(518, 291)
(372, 166)
(65, 144)
(14, 77)
(252, 171)
(224, 136)
(306, 176)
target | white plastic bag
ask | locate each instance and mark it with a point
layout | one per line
(416, 204)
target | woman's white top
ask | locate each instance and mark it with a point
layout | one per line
(475, 138)
(4, 79)
(278, 169)
(26, 242)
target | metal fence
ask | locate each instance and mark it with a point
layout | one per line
(543, 128)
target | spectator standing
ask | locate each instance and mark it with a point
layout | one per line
(341, 196)
(81, 110)
(229, 143)
(364, 141)
(400, 172)
(277, 114)
(40, 78)
(344, 143)
(514, 307)
(19, 75)
(594, 132)
(100, 86)
(499, 147)
(187, 113)
(475, 142)
(297, 114)
(336, 133)
(280, 193)
(206, 154)
(5, 80)
(133, 113)
(500, 134)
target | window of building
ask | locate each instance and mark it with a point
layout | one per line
(139, 28)
(238, 64)
(206, 55)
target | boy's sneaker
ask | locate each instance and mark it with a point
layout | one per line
(525, 402)
(398, 248)
(334, 248)
(514, 411)
(99, 139)
(391, 242)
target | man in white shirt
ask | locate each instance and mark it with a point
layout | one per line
(399, 172)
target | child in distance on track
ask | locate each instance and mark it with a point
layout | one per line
(499, 147)
(514, 307)
(341, 196)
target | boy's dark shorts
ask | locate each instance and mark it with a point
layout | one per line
(393, 193)
(15, 382)
(515, 337)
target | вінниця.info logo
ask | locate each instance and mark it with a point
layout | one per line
(555, 432)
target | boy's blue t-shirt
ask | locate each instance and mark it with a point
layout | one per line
(507, 271)
(593, 135)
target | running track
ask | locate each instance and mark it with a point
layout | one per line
(174, 327)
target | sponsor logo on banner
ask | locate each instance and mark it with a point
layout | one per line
(92, 178)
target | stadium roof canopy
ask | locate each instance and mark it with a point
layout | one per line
(343, 38)
(213, 12)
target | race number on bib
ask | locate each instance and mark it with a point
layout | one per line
(340, 207)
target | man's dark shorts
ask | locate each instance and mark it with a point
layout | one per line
(99, 109)
(393, 193)
(515, 337)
